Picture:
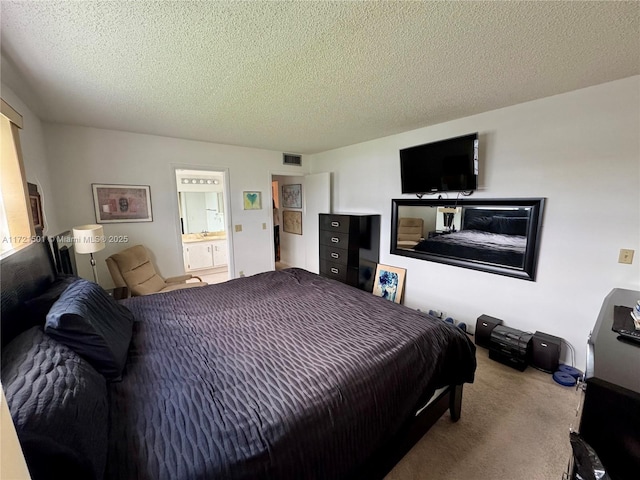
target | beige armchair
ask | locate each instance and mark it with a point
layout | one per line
(410, 232)
(132, 268)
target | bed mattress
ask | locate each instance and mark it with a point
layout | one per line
(283, 375)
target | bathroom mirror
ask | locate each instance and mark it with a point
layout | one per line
(202, 212)
(500, 236)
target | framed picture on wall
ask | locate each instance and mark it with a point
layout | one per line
(252, 200)
(389, 282)
(122, 203)
(292, 196)
(292, 222)
(36, 206)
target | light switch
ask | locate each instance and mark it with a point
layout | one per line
(264, 226)
(238, 228)
(626, 255)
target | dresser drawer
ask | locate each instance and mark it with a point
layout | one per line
(342, 273)
(335, 223)
(334, 239)
(335, 255)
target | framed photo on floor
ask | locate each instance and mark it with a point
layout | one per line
(122, 203)
(389, 282)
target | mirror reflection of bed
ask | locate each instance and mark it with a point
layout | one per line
(491, 235)
(473, 233)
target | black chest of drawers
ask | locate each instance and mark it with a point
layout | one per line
(350, 248)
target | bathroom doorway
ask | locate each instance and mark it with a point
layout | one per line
(203, 212)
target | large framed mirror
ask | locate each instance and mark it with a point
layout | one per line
(500, 236)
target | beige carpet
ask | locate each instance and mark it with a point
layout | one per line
(514, 425)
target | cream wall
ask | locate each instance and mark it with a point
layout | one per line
(80, 156)
(580, 150)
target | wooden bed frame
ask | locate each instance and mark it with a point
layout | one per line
(28, 272)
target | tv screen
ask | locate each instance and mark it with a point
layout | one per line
(446, 165)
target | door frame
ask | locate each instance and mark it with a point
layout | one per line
(226, 188)
(272, 247)
(273, 173)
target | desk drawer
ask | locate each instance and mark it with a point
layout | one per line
(335, 255)
(335, 223)
(334, 239)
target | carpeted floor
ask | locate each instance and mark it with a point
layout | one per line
(514, 425)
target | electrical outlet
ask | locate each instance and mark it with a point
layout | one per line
(241, 273)
(626, 255)
(238, 228)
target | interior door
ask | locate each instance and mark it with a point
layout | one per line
(317, 200)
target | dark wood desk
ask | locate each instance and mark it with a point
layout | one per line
(610, 420)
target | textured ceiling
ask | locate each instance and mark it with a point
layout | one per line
(300, 76)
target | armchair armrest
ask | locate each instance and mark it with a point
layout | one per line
(181, 278)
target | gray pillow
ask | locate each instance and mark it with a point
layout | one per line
(94, 325)
(59, 406)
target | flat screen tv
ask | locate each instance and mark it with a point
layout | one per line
(446, 165)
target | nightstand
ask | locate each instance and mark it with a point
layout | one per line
(119, 292)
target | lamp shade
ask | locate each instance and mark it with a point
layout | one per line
(88, 238)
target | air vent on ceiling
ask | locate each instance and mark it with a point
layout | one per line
(291, 159)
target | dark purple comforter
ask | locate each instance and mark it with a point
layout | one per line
(283, 375)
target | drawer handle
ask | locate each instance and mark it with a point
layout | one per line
(335, 255)
(484, 324)
(335, 239)
(335, 224)
(335, 270)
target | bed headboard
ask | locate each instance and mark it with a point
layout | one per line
(23, 275)
(63, 254)
(476, 213)
(517, 223)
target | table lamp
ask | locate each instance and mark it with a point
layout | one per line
(89, 239)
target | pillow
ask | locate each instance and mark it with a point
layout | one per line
(509, 225)
(94, 325)
(59, 406)
(36, 309)
(478, 223)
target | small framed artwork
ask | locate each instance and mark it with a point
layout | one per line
(389, 282)
(292, 196)
(36, 206)
(292, 222)
(252, 200)
(122, 203)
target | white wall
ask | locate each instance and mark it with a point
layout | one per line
(292, 246)
(80, 156)
(35, 159)
(580, 150)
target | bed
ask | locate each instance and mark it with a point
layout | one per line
(488, 235)
(282, 375)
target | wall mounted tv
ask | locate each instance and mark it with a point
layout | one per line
(446, 165)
